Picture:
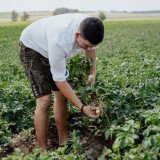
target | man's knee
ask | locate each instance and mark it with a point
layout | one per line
(58, 96)
(43, 103)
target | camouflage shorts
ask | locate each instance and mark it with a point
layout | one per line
(37, 69)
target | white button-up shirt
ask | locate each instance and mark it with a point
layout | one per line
(54, 38)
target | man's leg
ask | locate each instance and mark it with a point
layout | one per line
(60, 115)
(37, 70)
(41, 120)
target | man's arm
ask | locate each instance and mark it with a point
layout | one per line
(67, 91)
(92, 54)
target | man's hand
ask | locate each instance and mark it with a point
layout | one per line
(91, 79)
(91, 112)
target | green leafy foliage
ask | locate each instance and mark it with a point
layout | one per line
(128, 83)
(79, 72)
(5, 132)
(16, 101)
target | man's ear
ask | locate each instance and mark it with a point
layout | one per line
(77, 34)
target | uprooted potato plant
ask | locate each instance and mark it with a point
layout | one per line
(79, 68)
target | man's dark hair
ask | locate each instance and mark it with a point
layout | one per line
(92, 29)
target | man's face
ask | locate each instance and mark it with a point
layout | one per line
(82, 43)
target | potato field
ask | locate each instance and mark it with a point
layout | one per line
(127, 87)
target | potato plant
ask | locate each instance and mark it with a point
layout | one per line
(79, 72)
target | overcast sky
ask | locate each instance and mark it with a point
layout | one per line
(81, 5)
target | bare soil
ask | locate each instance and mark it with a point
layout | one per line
(92, 144)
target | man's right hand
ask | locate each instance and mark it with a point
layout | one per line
(91, 111)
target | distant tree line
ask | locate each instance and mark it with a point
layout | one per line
(58, 11)
(144, 12)
(15, 16)
(64, 10)
(25, 16)
(147, 12)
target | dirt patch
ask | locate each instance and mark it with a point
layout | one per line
(27, 143)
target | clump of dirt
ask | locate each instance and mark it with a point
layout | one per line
(24, 142)
(97, 102)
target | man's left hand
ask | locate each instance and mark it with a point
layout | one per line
(91, 79)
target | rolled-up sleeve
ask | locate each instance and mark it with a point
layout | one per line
(57, 61)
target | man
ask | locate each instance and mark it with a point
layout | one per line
(44, 47)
